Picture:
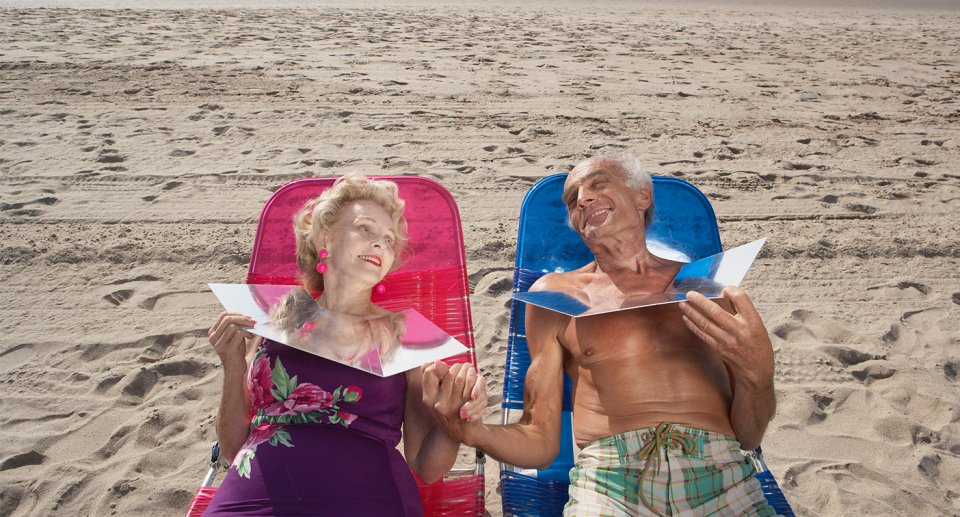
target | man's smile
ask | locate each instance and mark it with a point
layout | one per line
(599, 212)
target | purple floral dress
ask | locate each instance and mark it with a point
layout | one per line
(322, 441)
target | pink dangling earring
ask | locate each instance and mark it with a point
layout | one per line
(322, 267)
(307, 327)
(380, 289)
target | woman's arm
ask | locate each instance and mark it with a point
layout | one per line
(428, 450)
(235, 347)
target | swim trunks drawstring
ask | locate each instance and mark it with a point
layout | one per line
(667, 437)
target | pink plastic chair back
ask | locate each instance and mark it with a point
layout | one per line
(434, 279)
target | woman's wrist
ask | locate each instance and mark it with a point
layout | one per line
(234, 369)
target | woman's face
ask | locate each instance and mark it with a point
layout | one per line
(361, 242)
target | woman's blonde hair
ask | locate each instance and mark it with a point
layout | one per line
(323, 211)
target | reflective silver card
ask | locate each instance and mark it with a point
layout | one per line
(381, 345)
(707, 276)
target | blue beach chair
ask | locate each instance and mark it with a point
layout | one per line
(684, 229)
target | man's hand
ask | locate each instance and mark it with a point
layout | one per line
(455, 395)
(740, 338)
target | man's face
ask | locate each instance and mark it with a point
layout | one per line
(599, 202)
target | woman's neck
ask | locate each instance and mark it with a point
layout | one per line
(346, 297)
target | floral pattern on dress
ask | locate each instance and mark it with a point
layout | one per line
(277, 400)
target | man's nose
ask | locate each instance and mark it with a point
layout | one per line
(584, 196)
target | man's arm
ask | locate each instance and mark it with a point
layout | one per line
(742, 342)
(534, 441)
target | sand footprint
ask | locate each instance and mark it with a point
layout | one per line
(130, 288)
(22, 460)
(175, 300)
(821, 350)
(118, 297)
(110, 156)
(863, 366)
(926, 336)
(903, 291)
(20, 208)
(927, 325)
(136, 385)
(494, 284)
(16, 356)
(810, 326)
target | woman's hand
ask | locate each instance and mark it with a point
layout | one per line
(455, 395)
(234, 346)
(437, 394)
(474, 393)
(231, 340)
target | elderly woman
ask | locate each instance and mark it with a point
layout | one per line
(310, 436)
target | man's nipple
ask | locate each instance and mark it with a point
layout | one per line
(589, 351)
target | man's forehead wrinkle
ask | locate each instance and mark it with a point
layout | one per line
(593, 172)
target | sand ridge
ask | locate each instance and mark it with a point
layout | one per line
(138, 147)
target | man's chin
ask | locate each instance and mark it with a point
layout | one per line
(591, 233)
(594, 226)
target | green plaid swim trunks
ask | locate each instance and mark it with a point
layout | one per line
(667, 470)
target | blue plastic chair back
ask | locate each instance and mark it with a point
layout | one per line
(684, 229)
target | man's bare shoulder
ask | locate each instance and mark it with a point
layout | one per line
(576, 278)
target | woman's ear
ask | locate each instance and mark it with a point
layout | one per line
(320, 241)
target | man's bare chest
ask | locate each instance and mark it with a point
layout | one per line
(630, 334)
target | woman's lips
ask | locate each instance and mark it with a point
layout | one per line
(373, 259)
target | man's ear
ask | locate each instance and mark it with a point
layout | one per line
(644, 197)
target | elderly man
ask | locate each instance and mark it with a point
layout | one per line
(664, 397)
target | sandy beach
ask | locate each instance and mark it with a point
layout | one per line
(137, 148)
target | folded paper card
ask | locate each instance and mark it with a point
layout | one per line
(707, 276)
(381, 345)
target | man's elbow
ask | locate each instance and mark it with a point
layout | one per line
(549, 461)
(542, 457)
(751, 437)
(749, 444)
(751, 440)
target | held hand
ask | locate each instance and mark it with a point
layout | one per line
(433, 374)
(230, 338)
(474, 394)
(448, 393)
(740, 338)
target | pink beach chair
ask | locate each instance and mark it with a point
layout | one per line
(433, 282)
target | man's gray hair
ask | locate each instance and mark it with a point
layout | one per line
(636, 177)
